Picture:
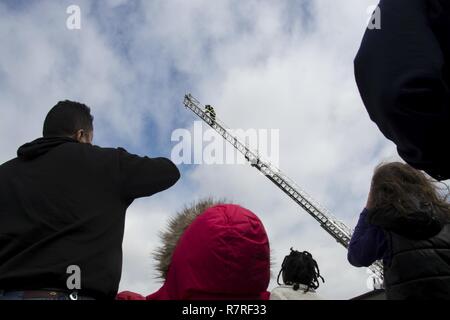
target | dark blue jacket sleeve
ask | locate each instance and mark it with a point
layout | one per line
(402, 72)
(368, 243)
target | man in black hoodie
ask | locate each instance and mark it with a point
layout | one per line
(403, 74)
(62, 209)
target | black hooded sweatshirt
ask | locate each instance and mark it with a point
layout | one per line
(63, 203)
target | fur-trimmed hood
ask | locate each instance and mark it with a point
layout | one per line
(176, 226)
(213, 250)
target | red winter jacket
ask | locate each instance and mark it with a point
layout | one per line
(223, 255)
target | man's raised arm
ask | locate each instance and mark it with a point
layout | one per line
(144, 176)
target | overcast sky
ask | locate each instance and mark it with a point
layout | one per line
(285, 65)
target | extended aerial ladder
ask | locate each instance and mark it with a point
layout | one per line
(337, 229)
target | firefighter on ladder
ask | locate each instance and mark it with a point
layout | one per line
(209, 110)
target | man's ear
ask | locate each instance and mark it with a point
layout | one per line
(80, 135)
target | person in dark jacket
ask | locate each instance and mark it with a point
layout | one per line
(406, 223)
(62, 209)
(403, 74)
(212, 251)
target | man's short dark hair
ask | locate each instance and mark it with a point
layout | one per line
(66, 118)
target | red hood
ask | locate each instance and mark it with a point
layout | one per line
(223, 254)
